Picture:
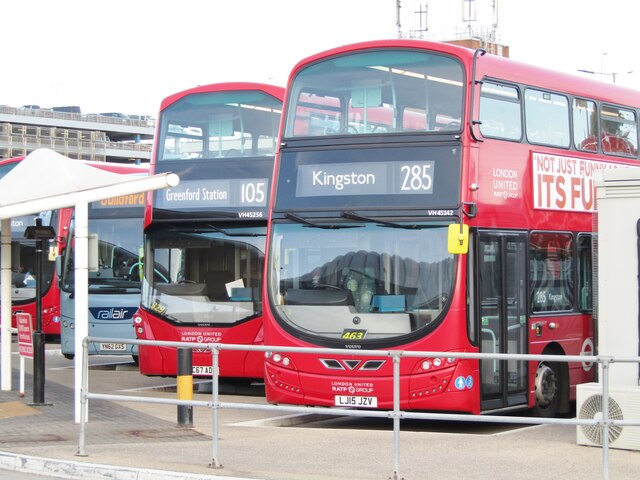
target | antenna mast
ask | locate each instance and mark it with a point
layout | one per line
(494, 20)
(421, 14)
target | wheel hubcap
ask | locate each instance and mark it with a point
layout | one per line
(546, 385)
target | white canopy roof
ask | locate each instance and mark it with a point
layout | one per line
(46, 180)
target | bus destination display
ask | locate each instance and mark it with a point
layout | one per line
(380, 178)
(406, 177)
(219, 193)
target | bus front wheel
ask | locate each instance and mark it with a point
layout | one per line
(548, 387)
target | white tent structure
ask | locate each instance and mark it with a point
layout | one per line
(46, 180)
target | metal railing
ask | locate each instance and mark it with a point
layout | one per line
(606, 423)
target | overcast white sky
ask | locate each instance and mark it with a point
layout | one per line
(127, 55)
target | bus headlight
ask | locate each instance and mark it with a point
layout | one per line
(278, 358)
(137, 320)
(438, 363)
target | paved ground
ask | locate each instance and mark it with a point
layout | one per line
(143, 441)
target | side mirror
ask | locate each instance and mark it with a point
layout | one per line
(94, 264)
(458, 241)
(58, 266)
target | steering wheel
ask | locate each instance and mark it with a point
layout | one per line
(155, 270)
(137, 264)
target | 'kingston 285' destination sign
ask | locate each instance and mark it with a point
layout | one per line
(380, 178)
(387, 177)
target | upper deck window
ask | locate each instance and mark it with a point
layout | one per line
(547, 118)
(220, 125)
(500, 111)
(619, 131)
(585, 124)
(379, 92)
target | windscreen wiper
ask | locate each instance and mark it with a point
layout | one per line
(235, 234)
(297, 218)
(384, 223)
(113, 290)
(197, 215)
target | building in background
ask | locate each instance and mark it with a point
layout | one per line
(104, 137)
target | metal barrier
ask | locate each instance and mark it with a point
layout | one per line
(396, 414)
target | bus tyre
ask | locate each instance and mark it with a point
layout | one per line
(68, 356)
(548, 389)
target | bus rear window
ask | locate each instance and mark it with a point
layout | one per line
(378, 92)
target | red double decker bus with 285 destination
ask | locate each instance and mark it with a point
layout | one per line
(393, 155)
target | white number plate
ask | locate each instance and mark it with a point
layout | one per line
(354, 401)
(200, 370)
(113, 347)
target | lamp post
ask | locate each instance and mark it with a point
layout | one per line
(613, 74)
(39, 233)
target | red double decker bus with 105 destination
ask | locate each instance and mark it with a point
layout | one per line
(205, 239)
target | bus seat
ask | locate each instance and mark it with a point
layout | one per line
(18, 279)
(612, 143)
(589, 143)
(216, 283)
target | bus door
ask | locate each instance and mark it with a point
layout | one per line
(502, 316)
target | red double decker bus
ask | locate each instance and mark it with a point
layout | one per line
(23, 264)
(205, 239)
(395, 154)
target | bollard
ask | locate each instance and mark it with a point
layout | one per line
(185, 387)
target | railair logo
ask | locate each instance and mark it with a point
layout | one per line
(112, 313)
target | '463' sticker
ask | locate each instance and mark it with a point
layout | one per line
(353, 334)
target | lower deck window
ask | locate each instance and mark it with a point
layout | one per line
(551, 272)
